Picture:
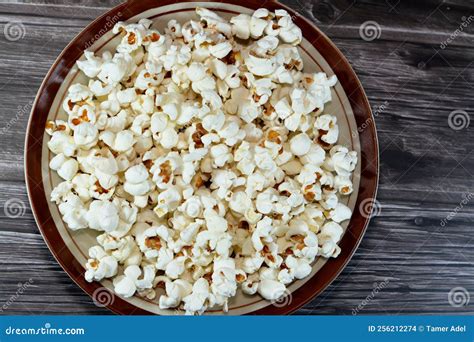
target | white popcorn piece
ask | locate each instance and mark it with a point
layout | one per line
(62, 142)
(100, 265)
(137, 181)
(103, 216)
(120, 142)
(214, 21)
(300, 144)
(192, 207)
(175, 292)
(91, 66)
(340, 213)
(326, 124)
(168, 200)
(134, 278)
(65, 167)
(260, 66)
(328, 237)
(299, 268)
(271, 289)
(196, 301)
(74, 212)
(59, 193)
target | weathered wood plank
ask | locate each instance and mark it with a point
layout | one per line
(426, 167)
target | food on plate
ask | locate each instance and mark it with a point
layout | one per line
(203, 156)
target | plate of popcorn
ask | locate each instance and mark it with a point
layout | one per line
(214, 158)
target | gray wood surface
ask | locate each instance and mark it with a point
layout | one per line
(408, 262)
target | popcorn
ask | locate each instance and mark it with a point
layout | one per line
(328, 130)
(300, 144)
(120, 142)
(59, 193)
(62, 143)
(65, 167)
(175, 292)
(192, 207)
(136, 181)
(100, 265)
(208, 165)
(299, 268)
(103, 216)
(196, 301)
(214, 21)
(288, 32)
(127, 284)
(73, 211)
(328, 237)
(271, 289)
(221, 155)
(91, 66)
(260, 66)
(153, 239)
(340, 213)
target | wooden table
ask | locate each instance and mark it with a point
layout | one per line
(416, 67)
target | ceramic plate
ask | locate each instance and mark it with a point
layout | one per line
(349, 103)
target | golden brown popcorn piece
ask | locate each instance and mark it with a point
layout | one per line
(100, 189)
(196, 136)
(154, 37)
(274, 136)
(165, 171)
(244, 225)
(153, 242)
(148, 163)
(132, 39)
(345, 190)
(268, 109)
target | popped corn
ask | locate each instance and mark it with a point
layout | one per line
(208, 166)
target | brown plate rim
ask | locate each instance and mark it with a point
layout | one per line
(349, 81)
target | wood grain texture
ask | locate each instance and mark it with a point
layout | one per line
(408, 261)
